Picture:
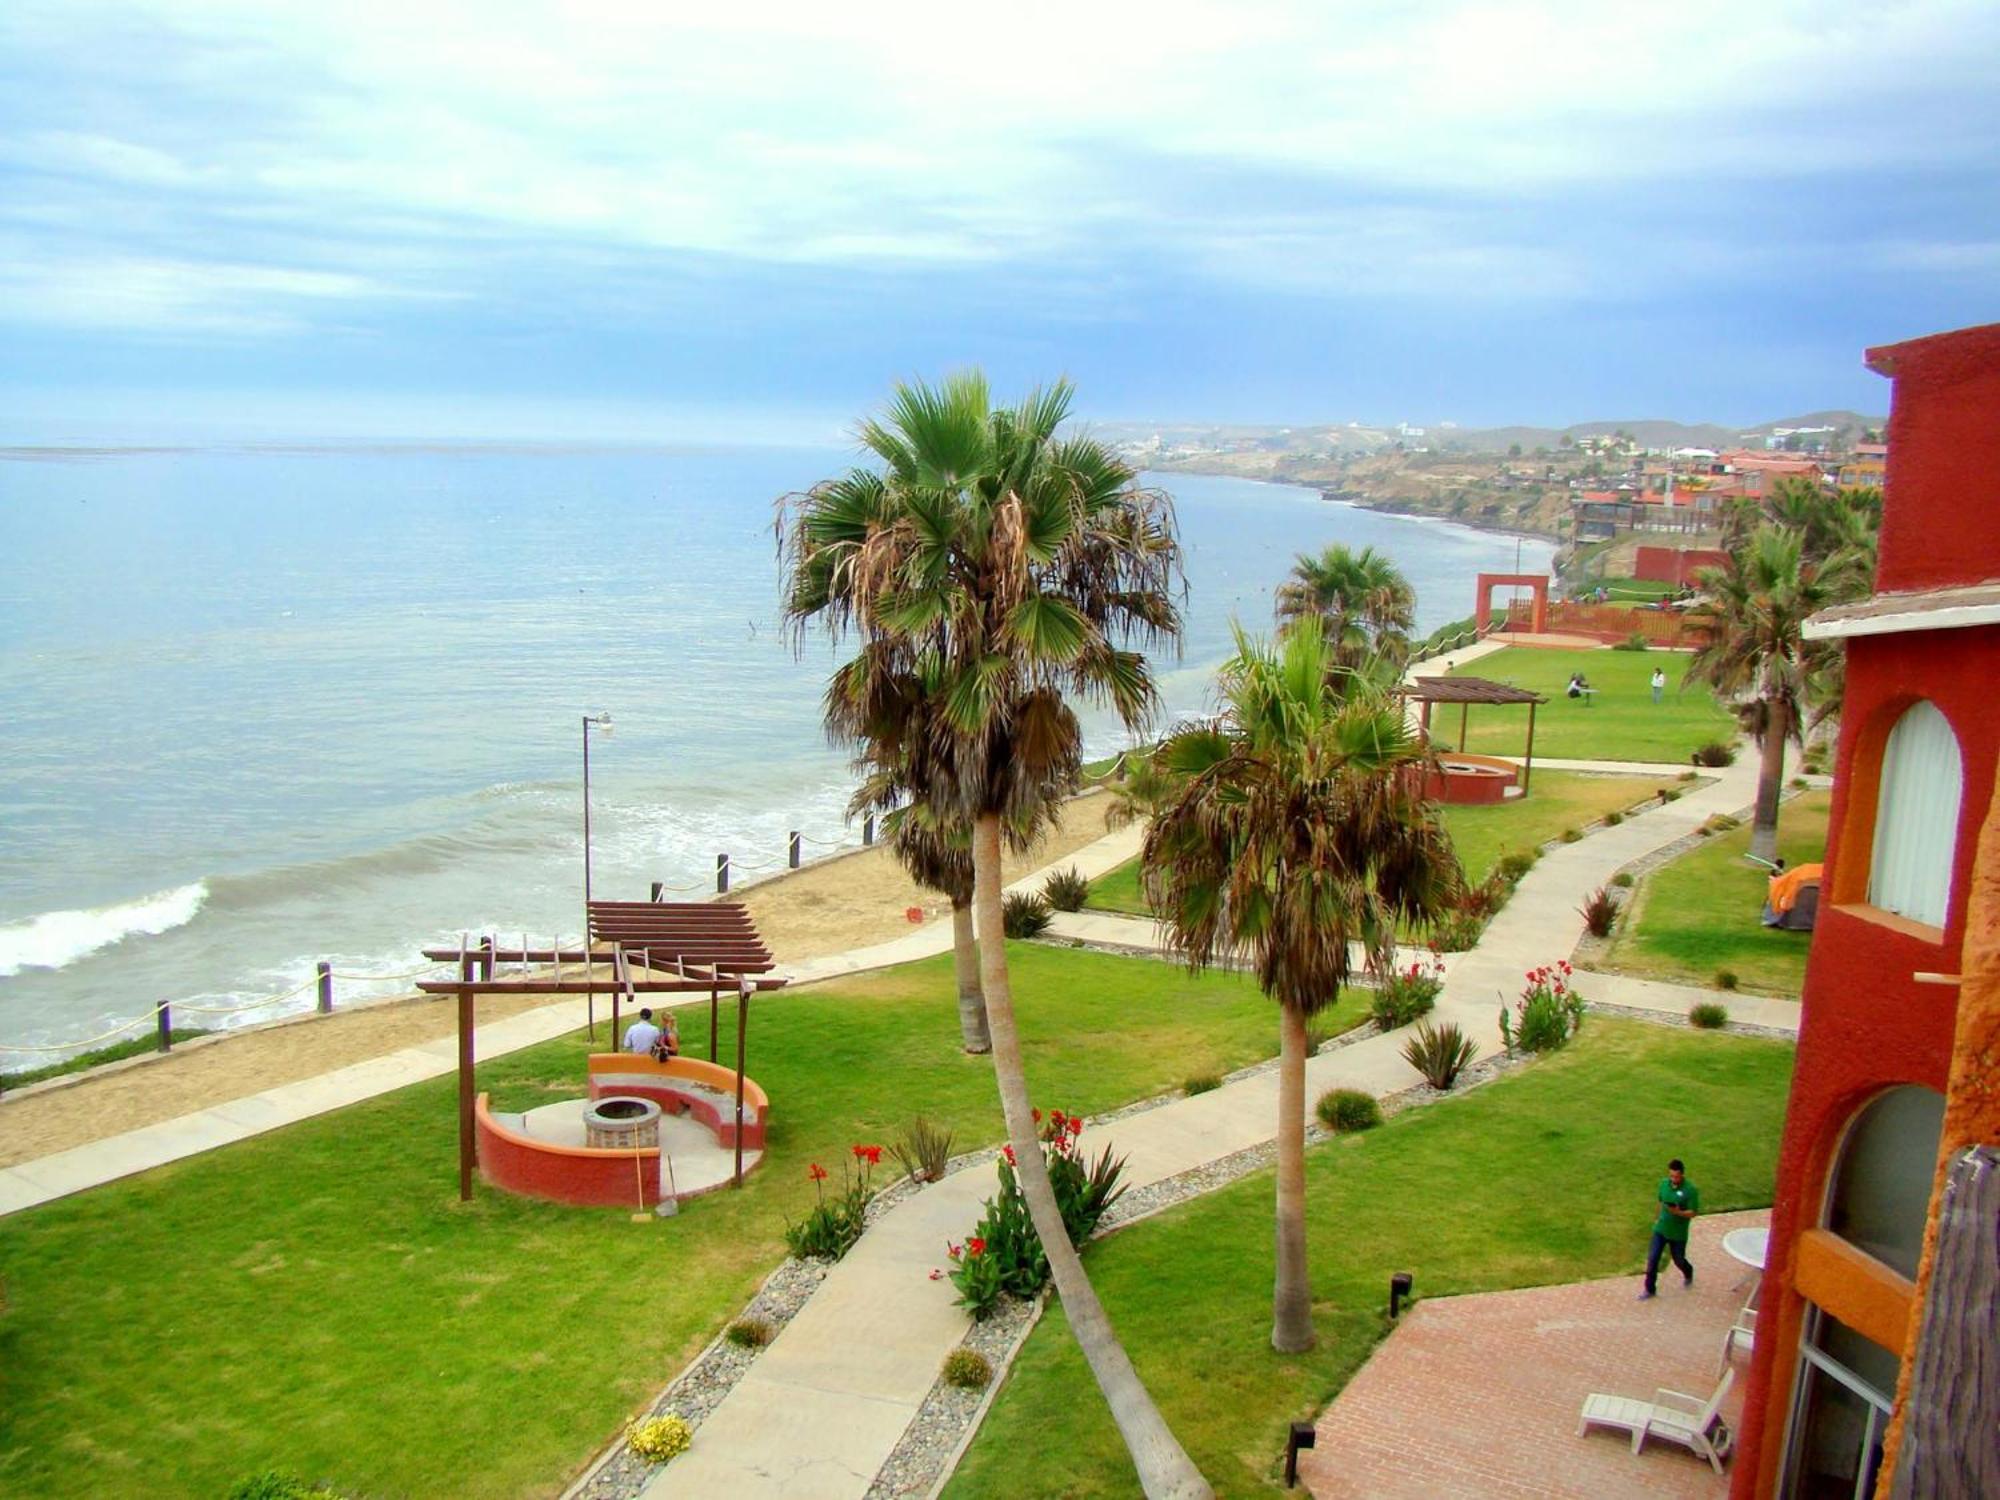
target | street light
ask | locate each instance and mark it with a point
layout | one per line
(600, 721)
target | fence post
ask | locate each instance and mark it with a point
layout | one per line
(794, 851)
(166, 1029)
(325, 988)
(659, 889)
(868, 829)
(488, 952)
(721, 874)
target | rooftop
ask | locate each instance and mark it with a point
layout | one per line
(1892, 614)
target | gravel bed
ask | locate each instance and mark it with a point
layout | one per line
(924, 1454)
(699, 1389)
(1675, 1018)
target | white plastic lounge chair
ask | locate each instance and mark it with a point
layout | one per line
(1741, 1334)
(1673, 1416)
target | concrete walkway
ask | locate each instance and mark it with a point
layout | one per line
(827, 1401)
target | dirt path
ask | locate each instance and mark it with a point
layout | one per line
(850, 901)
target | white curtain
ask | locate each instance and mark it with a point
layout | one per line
(1916, 817)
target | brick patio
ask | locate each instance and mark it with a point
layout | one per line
(1476, 1398)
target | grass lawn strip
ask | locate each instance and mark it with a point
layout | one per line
(1700, 914)
(316, 1299)
(1556, 800)
(1620, 723)
(1517, 1184)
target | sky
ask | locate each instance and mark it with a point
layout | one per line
(745, 221)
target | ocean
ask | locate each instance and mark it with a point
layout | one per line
(261, 708)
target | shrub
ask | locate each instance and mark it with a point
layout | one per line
(1623, 880)
(1668, 794)
(1599, 912)
(749, 1333)
(967, 1369)
(1548, 1013)
(1456, 932)
(1201, 1083)
(1690, 776)
(1613, 818)
(1636, 641)
(1066, 890)
(1571, 835)
(1715, 753)
(657, 1439)
(834, 1224)
(1722, 822)
(275, 1484)
(1725, 979)
(1003, 1253)
(1516, 863)
(1024, 915)
(923, 1150)
(1404, 995)
(1349, 1110)
(1440, 1053)
(1798, 783)
(1709, 1016)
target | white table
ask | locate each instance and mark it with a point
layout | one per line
(1750, 1246)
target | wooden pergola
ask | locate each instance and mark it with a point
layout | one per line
(652, 947)
(1466, 691)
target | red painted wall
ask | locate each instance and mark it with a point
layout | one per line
(1939, 526)
(566, 1176)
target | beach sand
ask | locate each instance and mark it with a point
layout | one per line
(849, 901)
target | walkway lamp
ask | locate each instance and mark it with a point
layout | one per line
(601, 722)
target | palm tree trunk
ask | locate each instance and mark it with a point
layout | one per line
(1163, 1466)
(1291, 1293)
(971, 1000)
(1770, 778)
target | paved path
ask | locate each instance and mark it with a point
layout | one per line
(826, 1403)
(1515, 1438)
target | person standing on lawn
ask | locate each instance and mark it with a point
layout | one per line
(1659, 683)
(1680, 1201)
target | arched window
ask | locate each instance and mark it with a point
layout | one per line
(1882, 1184)
(1878, 1202)
(1916, 817)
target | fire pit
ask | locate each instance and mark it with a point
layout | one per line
(622, 1124)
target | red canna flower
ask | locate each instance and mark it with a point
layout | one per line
(1008, 1152)
(936, 1274)
(1037, 1114)
(950, 1250)
(816, 1172)
(870, 1154)
(975, 1246)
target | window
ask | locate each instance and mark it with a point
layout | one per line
(1882, 1183)
(1846, 1384)
(1916, 817)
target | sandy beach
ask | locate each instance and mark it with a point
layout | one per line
(849, 901)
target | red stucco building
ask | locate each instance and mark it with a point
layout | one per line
(1874, 1369)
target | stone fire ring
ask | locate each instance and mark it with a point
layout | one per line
(621, 1122)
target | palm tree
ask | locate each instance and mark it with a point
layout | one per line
(1301, 828)
(992, 569)
(939, 858)
(1143, 787)
(1755, 657)
(1364, 600)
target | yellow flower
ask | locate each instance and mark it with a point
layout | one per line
(658, 1439)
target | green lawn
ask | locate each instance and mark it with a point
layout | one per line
(1543, 1177)
(317, 1299)
(1700, 913)
(1621, 723)
(1556, 800)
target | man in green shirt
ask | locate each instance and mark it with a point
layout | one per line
(1680, 1201)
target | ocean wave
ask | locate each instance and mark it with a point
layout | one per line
(56, 939)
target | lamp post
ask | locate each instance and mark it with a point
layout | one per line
(601, 721)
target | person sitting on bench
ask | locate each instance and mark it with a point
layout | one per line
(1579, 687)
(642, 1035)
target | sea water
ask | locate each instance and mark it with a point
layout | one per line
(263, 708)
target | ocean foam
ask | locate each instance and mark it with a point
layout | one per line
(56, 939)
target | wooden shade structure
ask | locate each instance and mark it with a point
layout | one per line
(653, 948)
(1466, 691)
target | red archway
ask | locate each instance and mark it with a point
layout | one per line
(1488, 582)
